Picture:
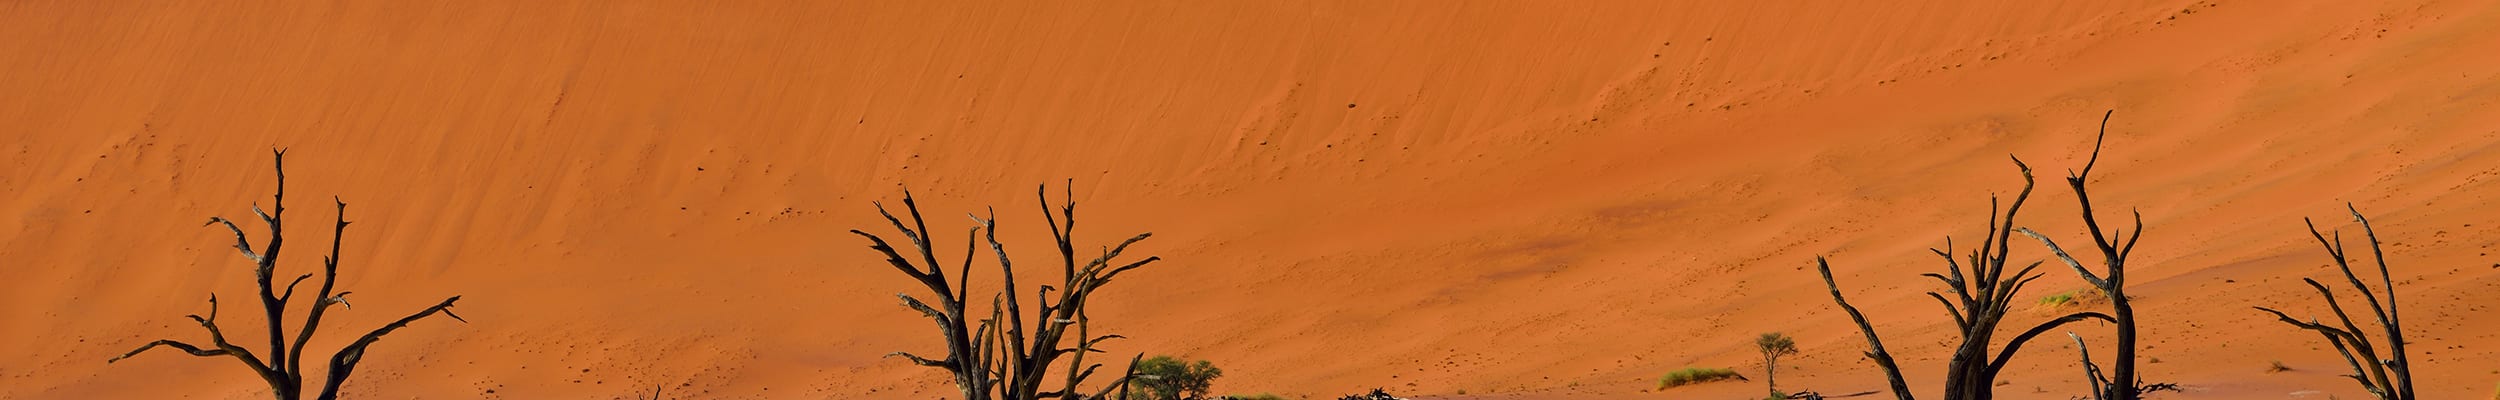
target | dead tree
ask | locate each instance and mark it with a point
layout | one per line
(1982, 293)
(1007, 356)
(2121, 383)
(283, 369)
(2389, 378)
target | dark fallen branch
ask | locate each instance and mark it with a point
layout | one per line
(1812, 395)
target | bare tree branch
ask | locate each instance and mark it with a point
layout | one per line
(290, 288)
(2399, 362)
(344, 362)
(321, 304)
(185, 347)
(1875, 345)
(878, 244)
(942, 318)
(2336, 336)
(2007, 354)
(923, 361)
(240, 242)
(2091, 373)
(2087, 275)
(1123, 383)
(1958, 320)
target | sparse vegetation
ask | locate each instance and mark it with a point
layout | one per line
(2388, 376)
(2060, 299)
(1697, 375)
(1170, 378)
(1261, 396)
(283, 370)
(1773, 345)
(2277, 366)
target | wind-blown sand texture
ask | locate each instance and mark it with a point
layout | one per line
(1539, 200)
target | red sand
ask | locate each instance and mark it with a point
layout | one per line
(1514, 201)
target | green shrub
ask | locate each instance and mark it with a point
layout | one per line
(1697, 375)
(1174, 379)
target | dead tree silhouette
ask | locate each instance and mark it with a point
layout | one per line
(2389, 378)
(2121, 382)
(283, 369)
(1981, 295)
(1009, 354)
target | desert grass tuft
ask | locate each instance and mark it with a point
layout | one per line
(2058, 300)
(1697, 375)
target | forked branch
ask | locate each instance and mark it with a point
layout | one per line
(1874, 344)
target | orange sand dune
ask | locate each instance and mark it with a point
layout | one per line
(1513, 201)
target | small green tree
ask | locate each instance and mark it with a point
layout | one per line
(1773, 345)
(1169, 378)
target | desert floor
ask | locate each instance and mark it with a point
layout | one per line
(1541, 200)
